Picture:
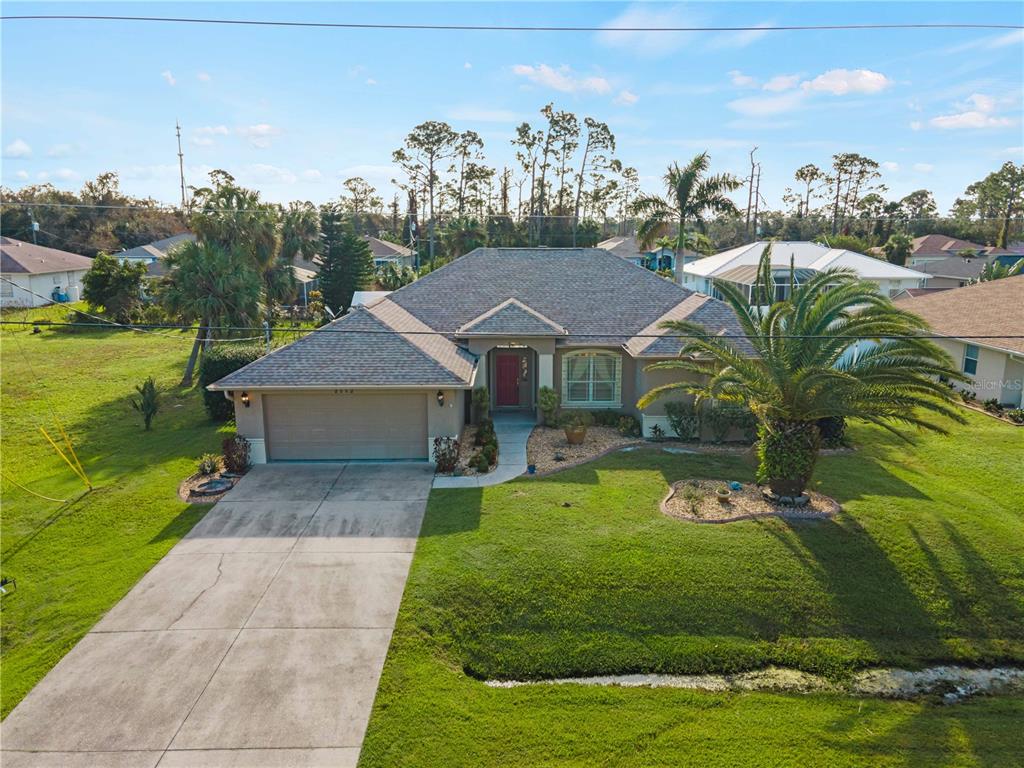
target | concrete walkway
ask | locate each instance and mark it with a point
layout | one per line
(257, 641)
(513, 431)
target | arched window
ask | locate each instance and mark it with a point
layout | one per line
(592, 379)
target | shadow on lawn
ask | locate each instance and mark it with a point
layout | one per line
(182, 523)
(870, 596)
(452, 510)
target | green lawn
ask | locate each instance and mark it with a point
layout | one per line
(925, 565)
(73, 561)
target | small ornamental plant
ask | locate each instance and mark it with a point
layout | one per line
(209, 464)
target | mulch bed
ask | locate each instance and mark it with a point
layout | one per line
(467, 450)
(186, 491)
(547, 442)
(972, 405)
(697, 502)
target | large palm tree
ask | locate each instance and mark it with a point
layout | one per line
(211, 286)
(692, 194)
(805, 362)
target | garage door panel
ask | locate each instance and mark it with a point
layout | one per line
(327, 426)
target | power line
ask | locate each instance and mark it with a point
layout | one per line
(392, 332)
(501, 28)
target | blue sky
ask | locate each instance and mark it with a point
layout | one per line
(293, 112)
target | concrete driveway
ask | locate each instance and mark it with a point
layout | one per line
(257, 641)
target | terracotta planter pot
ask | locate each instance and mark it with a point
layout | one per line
(575, 435)
(723, 496)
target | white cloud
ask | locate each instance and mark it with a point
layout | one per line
(260, 135)
(840, 82)
(370, 81)
(562, 79)
(60, 150)
(204, 137)
(924, 167)
(270, 174)
(991, 43)
(759, 106)
(891, 166)
(738, 39)
(916, 125)
(474, 114)
(626, 98)
(781, 83)
(977, 112)
(21, 174)
(648, 44)
(64, 174)
(203, 77)
(168, 77)
(467, 65)
(740, 80)
(18, 148)
(312, 174)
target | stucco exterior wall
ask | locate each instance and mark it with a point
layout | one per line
(998, 375)
(945, 282)
(35, 290)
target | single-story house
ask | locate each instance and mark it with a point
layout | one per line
(35, 275)
(628, 247)
(386, 379)
(937, 247)
(153, 254)
(739, 266)
(385, 252)
(953, 271)
(972, 318)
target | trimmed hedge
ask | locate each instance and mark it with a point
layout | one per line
(217, 363)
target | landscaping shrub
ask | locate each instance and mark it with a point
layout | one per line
(606, 418)
(490, 452)
(236, 454)
(832, 430)
(657, 433)
(149, 401)
(481, 404)
(992, 405)
(1016, 415)
(79, 319)
(547, 398)
(484, 432)
(480, 463)
(786, 453)
(723, 417)
(684, 419)
(446, 453)
(217, 363)
(209, 463)
(967, 396)
(629, 426)
(572, 419)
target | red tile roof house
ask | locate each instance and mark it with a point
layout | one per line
(34, 274)
(384, 380)
(972, 318)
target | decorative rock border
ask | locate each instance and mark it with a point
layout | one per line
(186, 489)
(832, 508)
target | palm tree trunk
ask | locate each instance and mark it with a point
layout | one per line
(787, 452)
(190, 366)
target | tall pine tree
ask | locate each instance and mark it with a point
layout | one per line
(346, 261)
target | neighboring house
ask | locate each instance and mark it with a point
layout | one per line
(937, 247)
(953, 271)
(390, 253)
(995, 365)
(34, 275)
(153, 254)
(628, 247)
(307, 281)
(739, 266)
(385, 379)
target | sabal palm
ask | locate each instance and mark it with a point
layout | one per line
(212, 286)
(803, 364)
(692, 194)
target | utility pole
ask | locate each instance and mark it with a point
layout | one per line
(750, 188)
(756, 183)
(181, 166)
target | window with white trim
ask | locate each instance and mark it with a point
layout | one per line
(592, 378)
(970, 359)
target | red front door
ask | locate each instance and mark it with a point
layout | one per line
(508, 379)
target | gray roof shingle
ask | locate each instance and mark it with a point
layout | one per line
(19, 257)
(511, 318)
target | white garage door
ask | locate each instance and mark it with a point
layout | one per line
(328, 426)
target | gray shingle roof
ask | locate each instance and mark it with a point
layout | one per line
(20, 257)
(955, 267)
(588, 295)
(511, 318)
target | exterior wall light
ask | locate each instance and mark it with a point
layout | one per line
(245, 399)
(440, 398)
